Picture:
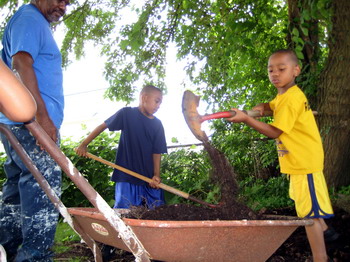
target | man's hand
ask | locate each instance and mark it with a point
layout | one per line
(48, 126)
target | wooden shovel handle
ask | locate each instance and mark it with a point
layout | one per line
(161, 185)
(134, 174)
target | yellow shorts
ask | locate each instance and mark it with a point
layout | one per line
(310, 194)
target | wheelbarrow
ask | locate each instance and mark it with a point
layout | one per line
(189, 241)
(235, 240)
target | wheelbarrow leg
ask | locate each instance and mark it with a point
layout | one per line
(50, 193)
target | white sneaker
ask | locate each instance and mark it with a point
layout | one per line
(2, 254)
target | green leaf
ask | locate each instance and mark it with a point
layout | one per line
(299, 54)
(304, 30)
(295, 32)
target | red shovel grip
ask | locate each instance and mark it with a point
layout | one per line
(231, 113)
(224, 114)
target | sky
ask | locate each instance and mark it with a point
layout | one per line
(84, 86)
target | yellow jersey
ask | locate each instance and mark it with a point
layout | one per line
(300, 149)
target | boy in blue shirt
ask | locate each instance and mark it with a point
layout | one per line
(141, 144)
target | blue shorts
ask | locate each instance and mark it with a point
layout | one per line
(127, 194)
(310, 194)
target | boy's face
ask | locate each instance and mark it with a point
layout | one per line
(151, 103)
(282, 71)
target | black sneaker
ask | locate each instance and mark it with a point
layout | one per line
(330, 235)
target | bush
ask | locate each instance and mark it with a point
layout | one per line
(188, 170)
(97, 174)
(271, 193)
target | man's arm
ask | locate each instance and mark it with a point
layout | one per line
(22, 62)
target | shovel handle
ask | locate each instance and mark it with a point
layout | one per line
(134, 174)
(231, 113)
(161, 185)
(224, 114)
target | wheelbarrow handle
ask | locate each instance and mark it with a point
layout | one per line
(147, 179)
(231, 113)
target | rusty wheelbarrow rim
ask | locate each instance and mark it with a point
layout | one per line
(202, 241)
(216, 223)
(285, 221)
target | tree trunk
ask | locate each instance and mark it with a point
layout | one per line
(334, 99)
(310, 45)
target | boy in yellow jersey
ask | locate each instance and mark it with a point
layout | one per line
(299, 146)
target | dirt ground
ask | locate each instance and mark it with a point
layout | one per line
(295, 248)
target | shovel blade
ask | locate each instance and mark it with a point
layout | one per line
(190, 102)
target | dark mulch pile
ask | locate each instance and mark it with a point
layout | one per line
(294, 249)
(187, 212)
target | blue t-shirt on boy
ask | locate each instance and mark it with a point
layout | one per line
(141, 137)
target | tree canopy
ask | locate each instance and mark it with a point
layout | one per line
(225, 44)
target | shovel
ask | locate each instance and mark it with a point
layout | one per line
(194, 120)
(161, 185)
(190, 102)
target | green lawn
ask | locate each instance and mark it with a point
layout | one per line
(64, 238)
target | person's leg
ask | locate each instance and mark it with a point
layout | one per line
(127, 195)
(316, 241)
(39, 217)
(10, 210)
(311, 198)
(153, 197)
(323, 224)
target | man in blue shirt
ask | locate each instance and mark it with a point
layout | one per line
(27, 217)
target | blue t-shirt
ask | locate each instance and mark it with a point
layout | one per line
(30, 32)
(140, 138)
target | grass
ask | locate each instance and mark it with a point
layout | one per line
(65, 235)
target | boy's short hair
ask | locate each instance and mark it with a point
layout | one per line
(149, 89)
(289, 52)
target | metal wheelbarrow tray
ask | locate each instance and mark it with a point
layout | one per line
(225, 240)
(235, 240)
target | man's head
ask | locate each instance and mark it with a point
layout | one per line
(150, 99)
(53, 10)
(283, 68)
